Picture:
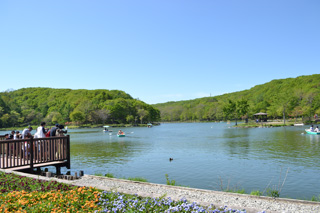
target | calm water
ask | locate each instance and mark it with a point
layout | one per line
(205, 155)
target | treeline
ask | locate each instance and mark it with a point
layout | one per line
(284, 98)
(30, 106)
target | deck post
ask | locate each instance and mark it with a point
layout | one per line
(58, 170)
(31, 153)
(7, 155)
(68, 151)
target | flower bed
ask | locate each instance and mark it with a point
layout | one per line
(22, 194)
(117, 202)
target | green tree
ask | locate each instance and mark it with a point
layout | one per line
(296, 112)
(14, 118)
(53, 118)
(230, 110)
(142, 114)
(77, 117)
(130, 118)
(103, 114)
(5, 119)
(242, 108)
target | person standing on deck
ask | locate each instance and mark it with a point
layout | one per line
(41, 131)
(17, 135)
(12, 134)
(53, 130)
(60, 132)
(26, 133)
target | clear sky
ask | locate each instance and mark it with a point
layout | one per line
(157, 51)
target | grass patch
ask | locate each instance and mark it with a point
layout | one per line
(170, 182)
(140, 179)
(273, 193)
(109, 175)
(315, 198)
(239, 191)
(256, 193)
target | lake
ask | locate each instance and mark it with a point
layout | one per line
(211, 156)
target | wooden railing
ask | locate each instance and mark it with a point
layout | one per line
(32, 151)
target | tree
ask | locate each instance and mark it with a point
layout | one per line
(85, 107)
(242, 108)
(53, 118)
(14, 117)
(273, 111)
(142, 114)
(284, 99)
(77, 116)
(103, 114)
(236, 109)
(230, 110)
(297, 111)
(5, 119)
(130, 118)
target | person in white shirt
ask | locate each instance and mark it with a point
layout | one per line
(311, 128)
(26, 133)
(16, 135)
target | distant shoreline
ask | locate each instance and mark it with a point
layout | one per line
(81, 126)
(241, 124)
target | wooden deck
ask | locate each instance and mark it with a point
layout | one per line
(26, 154)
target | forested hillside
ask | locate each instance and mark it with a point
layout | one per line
(292, 97)
(33, 105)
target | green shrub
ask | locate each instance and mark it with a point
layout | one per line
(273, 193)
(170, 182)
(140, 179)
(109, 175)
(256, 193)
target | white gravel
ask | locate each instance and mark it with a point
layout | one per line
(203, 197)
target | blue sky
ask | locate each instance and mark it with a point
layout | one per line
(157, 51)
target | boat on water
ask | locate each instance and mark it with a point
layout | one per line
(298, 124)
(312, 133)
(106, 129)
(121, 133)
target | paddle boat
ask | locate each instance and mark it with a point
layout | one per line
(121, 134)
(312, 133)
(106, 129)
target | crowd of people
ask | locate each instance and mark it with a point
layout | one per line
(41, 132)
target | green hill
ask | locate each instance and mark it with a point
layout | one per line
(294, 97)
(33, 105)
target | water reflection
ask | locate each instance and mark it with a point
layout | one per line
(237, 141)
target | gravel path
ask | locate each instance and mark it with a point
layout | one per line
(203, 197)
